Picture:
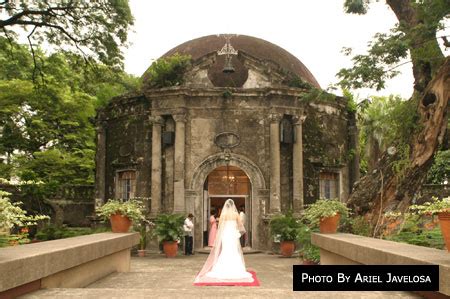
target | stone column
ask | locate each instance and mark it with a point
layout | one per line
(155, 207)
(297, 164)
(100, 160)
(275, 194)
(179, 164)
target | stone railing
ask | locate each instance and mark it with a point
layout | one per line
(66, 263)
(347, 249)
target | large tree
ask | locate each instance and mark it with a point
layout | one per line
(96, 29)
(403, 167)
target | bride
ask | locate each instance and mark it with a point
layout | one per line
(226, 261)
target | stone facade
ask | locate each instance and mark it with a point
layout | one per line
(172, 138)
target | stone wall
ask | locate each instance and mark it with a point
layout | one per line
(72, 204)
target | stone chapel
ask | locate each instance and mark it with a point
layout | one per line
(235, 128)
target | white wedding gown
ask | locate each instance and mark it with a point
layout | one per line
(230, 262)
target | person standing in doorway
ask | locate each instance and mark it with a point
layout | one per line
(212, 229)
(243, 220)
(188, 240)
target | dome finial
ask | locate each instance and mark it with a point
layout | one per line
(228, 50)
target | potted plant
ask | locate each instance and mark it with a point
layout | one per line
(326, 214)
(169, 229)
(309, 253)
(285, 227)
(144, 228)
(442, 209)
(121, 213)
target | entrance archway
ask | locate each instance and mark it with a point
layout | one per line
(259, 195)
(222, 183)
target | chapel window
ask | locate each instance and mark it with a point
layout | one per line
(329, 185)
(126, 185)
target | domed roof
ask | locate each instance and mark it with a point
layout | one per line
(256, 47)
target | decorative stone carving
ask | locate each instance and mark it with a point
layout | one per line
(125, 150)
(179, 117)
(275, 117)
(227, 140)
(155, 119)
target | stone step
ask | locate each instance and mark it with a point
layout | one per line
(205, 292)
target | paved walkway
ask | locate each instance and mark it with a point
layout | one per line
(158, 277)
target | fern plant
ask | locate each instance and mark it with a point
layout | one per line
(169, 227)
(285, 226)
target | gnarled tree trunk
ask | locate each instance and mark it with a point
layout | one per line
(383, 190)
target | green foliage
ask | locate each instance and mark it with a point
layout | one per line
(14, 239)
(53, 232)
(316, 94)
(131, 208)
(227, 94)
(413, 231)
(428, 238)
(166, 72)
(432, 207)
(97, 29)
(169, 227)
(47, 132)
(440, 170)
(352, 106)
(145, 230)
(416, 38)
(360, 226)
(384, 122)
(12, 215)
(285, 226)
(325, 208)
(297, 82)
(356, 6)
(308, 251)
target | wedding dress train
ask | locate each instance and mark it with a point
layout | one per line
(225, 262)
(229, 264)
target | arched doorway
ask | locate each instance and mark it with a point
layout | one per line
(259, 195)
(222, 183)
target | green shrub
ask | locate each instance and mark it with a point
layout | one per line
(325, 208)
(308, 250)
(361, 227)
(285, 226)
(131, 208)
(428, 238)
(54, 232)
(167, 71)
(169, 227)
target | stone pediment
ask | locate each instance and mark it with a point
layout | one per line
(251, 72)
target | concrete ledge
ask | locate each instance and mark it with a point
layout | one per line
(347, 249)
(59, 263)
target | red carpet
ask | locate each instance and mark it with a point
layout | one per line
(254, 283)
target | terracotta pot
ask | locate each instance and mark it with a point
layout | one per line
(329, 225)
(170, 248)
(444, 223)
(119, 223)
(287, 248)
(141, 252)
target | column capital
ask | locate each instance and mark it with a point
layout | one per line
(275, 117)
(298, 119)
(180, 117)
(155, 119)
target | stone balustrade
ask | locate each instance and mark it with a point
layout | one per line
(348, 249)
(66, 263)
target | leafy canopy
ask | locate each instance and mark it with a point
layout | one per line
(47, 132)
(95, 29)
(166, 72)
(413, 37)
